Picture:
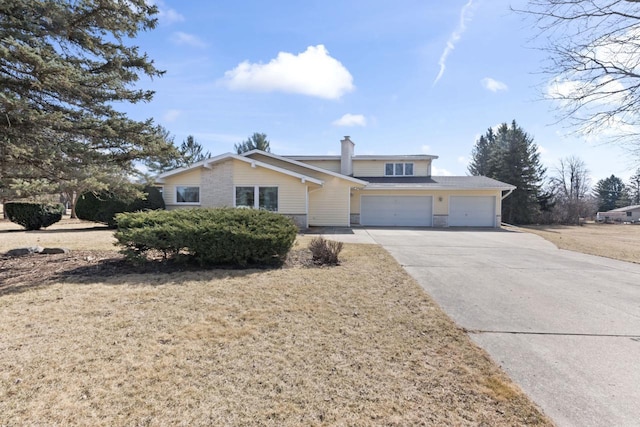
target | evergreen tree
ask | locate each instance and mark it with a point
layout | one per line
(510, 155)
(189, 152)
(611, 193)
(257, 141)
(634, 188)
(64, 67)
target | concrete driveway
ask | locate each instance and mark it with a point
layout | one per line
(565, 326)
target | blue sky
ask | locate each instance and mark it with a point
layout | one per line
(402, 77)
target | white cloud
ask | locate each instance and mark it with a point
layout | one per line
(313, 72)
(463, 160)
(426, 149)
(493, 85)
(351, 120)
(171, 115)
(435, 171)
(165, 14)
(542, 150)
(465, 17)
(182, 39)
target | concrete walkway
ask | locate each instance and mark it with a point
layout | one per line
(565, 326)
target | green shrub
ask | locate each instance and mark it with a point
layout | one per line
(223, 236)
(325, 252)
(104, 206)
(34, 216)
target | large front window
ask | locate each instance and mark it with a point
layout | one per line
(186, 194)
(398, 169)
(257, 197)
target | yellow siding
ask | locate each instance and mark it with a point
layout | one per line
(188, 178)
(440, 207)
(288, 166)
(329, 205)
(292, 193)
(376, 167)
(331, 165)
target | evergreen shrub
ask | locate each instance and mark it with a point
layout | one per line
(34, 216)
(103, 207)
(209, 237)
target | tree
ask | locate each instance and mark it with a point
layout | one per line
(571, 186)
(611, 193)
(64, 66)
(510, 155)
(189, 152)
(594, 58)
(634, 188)
(257, 141)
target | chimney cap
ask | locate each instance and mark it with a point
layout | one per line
(347, 137)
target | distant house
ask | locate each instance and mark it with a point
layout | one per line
(339, 190)
(625, 214)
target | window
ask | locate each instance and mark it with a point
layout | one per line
(257, 197)
(629, 213)
(187, 194)
(398, 169)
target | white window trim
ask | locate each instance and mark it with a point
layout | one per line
(256, 195)
(175, 196)
(404, 166)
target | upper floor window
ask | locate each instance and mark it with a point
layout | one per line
(398, 169)
(186, 194)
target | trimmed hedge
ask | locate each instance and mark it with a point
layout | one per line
(105, 206)
(221, 236)
(34, 216)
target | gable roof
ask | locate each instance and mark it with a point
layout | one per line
(230, 156)
(306, 166)
(436, 183)
(626, 208)
(391, 157)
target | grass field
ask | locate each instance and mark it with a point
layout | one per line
(359, 344)
(617, 241)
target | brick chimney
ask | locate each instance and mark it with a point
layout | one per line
(346, 164)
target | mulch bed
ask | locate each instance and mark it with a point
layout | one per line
(38, 269)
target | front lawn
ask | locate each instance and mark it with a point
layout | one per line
(357, 344)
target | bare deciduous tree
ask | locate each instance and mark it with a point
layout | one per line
(571, 187)
(594, 58)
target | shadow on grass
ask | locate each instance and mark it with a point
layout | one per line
(32, 272)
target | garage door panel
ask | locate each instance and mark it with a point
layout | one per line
(396, 211)
(472, 211)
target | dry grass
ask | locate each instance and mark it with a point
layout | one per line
(358, 344)
(68, 233)
(617, 241)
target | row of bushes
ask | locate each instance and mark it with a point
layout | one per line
(223, 236)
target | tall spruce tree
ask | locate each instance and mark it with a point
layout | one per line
(611, 193)
(634, 188)
(510, 155)
(64, 67)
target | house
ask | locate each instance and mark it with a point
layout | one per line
(626, 214)
(344, 190)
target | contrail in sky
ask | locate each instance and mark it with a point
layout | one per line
(465, 16)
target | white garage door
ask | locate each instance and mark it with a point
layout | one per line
(396, 211)
(472, 211)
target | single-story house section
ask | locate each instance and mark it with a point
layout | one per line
(626, 214)
(344, 190)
